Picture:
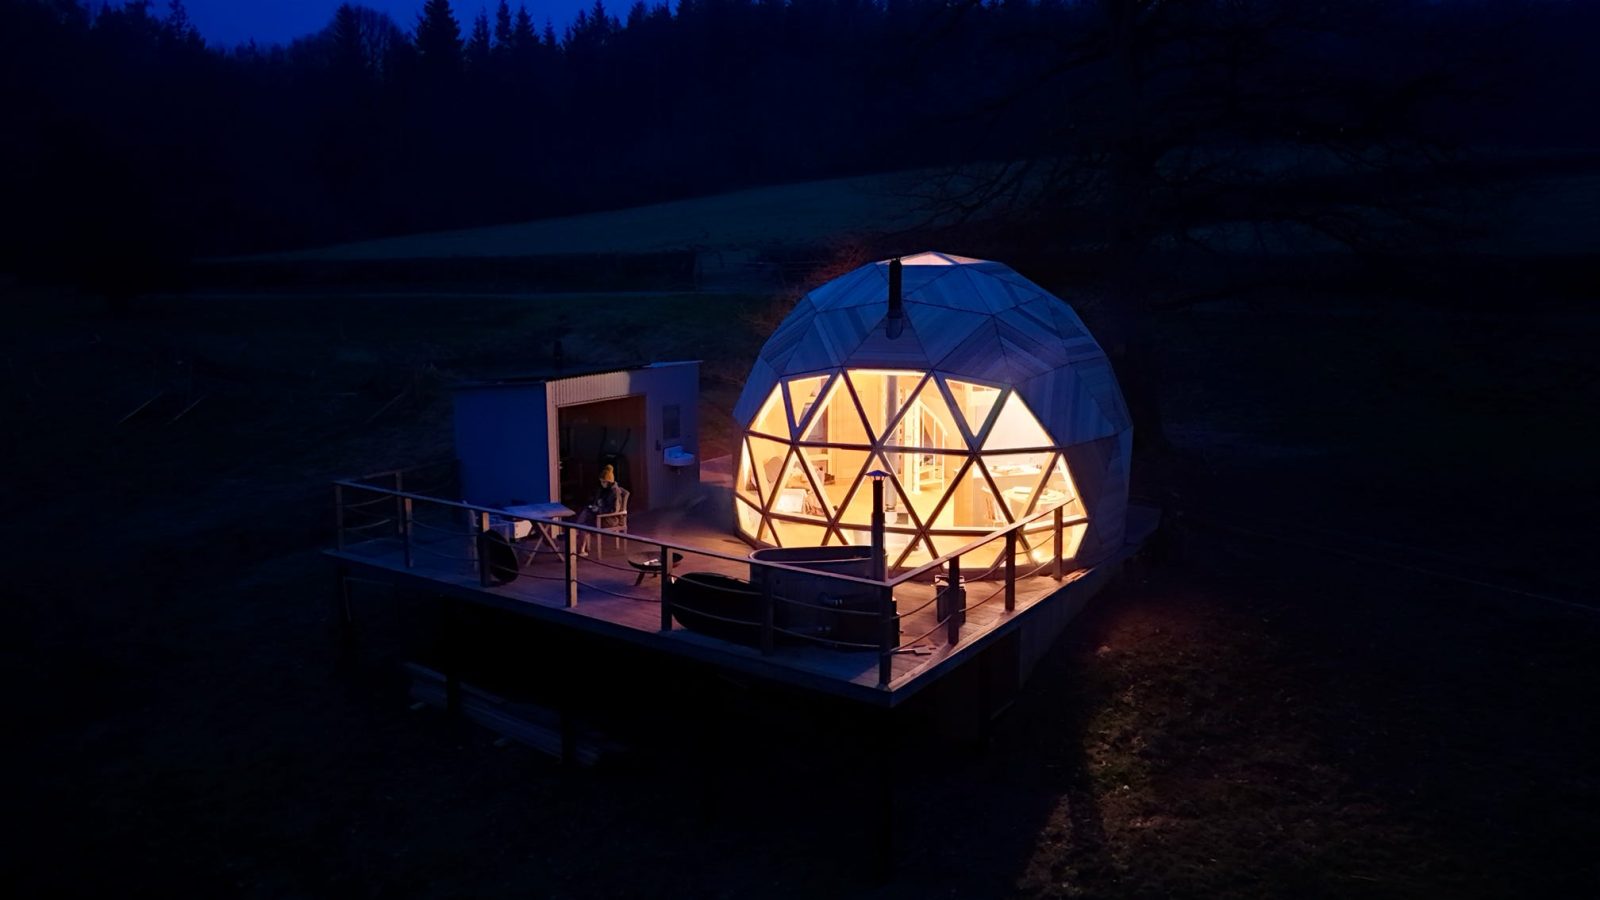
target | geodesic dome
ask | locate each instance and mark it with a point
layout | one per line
(989, 403)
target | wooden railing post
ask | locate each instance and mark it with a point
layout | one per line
(485, 577)
(1060, 543)
(338, 515)
(888, 635)
(954, 603)
(572, 566)
(666, 588)
(405, 529)
(1011, 570)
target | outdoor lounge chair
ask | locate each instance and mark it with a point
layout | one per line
(614, 521)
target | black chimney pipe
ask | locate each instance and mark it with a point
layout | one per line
(896, 321)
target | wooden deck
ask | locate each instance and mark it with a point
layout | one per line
(610, 604)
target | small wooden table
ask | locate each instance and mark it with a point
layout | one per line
(543, 517)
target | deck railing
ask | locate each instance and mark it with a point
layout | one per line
(375, 513)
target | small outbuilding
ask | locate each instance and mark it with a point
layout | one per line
(545, 436)
(982, 397)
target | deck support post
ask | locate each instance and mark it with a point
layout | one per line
(1060, 543)
(405, 530)
(572, 567)
(485, 577)
(1011, 570)
(666, 588)
(888, 636)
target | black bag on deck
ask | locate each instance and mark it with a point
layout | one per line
(493, 546)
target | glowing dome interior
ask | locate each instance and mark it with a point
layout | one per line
(989, 403)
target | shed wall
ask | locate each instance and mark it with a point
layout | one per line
(504, 444)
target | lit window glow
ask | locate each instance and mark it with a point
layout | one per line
(963, 460)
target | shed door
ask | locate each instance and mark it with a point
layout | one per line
(596, 434)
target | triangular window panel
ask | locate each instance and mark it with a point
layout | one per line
(1015, 428)
(972, 503)
(855, 537)
(1016, 477)
(925, 477)
(767, 458)
(766, 536)
(905, 424)
(820, 413)
(974, 402)
(927, 423)
(835, 471)
(850, 491)
(834, 419)
(804, 396)
(915, 551)
(799, 534)
(882, 393)
(1038, 542)
(898, 510)
(749, 517)
(749, 487)
(985, 561)
(795, 495)
(1058, 490)
(773, 419)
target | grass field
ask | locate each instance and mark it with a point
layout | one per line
(1295, 694)
(797, 214)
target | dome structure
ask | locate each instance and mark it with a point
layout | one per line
(985, 400)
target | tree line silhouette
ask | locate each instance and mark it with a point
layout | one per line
(132, 141)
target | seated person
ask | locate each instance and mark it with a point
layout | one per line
(606, 498)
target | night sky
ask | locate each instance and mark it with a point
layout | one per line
(229, 22)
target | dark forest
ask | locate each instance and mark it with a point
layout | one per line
(132, 142)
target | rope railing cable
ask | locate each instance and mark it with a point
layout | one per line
(992, 594)
(603, 563)
(906, 614)
(371, 514)
(350, 505)
(1040, 568)
(930, 632)
(457, 530)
